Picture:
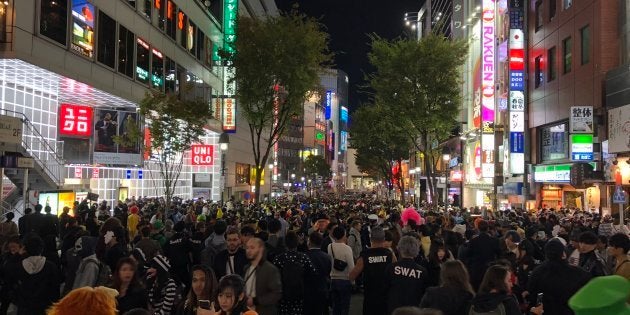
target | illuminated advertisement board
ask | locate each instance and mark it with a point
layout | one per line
(488, 51)
(230, 15)
(82, 28)
(344, 114)
(229, 115)
(328, 105)
(517, 105)
(109, 125)
(75, 120)
(202, 154)
(343, 142)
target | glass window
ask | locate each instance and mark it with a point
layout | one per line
(216, 9)
(132, 3)
(208, 53)
(567, 4)
(554, 142)
(200, 51)
(106, 40)
(170, 70)
(242, 174)
(182, 25)
(539, 14)
(157, 69)
(144, 7)
(538, 72)
(125, 51)
(552, 9)
(83, 14)
(551, 64)
(181, 78)
(160, 7)
(585, 44)
(171, 19)
(53, 21)
(142, 61)
(566, 54)
(191, 31)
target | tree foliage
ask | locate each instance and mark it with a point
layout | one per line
(174, 123)
(277, 63)
(316, 165)
(419, 82)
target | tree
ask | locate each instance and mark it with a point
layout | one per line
(315, 165)
(174, 123)
(420, 82)
(277, 65)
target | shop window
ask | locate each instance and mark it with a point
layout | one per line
(200, 49)
(554, 142)
(142, 61)
(551, 64)
(106, 40)
(53, 22)
(170, 71)
(157, 69)
(585, 45)
(144, 7)
(160, 7)
(539, 14)
(552, 9)
(242, 174)
(125, 51)
(538, 79)
(171, 19)
(567, 55)
(182, 26)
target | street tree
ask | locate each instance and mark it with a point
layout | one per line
(277, 64)
(316, 165)
(420, 82)
(175, 123)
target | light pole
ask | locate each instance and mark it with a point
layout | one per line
(270, 181)
(224, 143)
(417, 171)
(446, 157)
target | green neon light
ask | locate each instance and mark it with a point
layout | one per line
(582, 138)
(230, 15)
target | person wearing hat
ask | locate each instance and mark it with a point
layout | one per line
(556, 280)
(161, 286)
(603, 295)
(373, 263)
(590, 261)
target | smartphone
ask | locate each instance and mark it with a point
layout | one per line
(204, 304)
(539, 298)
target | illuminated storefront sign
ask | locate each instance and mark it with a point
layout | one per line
(488, 52)
(517, 59)
(344, 114)
(516, 67)
(229, 115)
(581, 147)
(75, 120)
(202, 154)
(343, 142)
(559, 173)
(83, 28)
(230, 15)
(328, 106)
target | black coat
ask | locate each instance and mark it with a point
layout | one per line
(405, 282)
(220, 263)
(482, 250)
(490, 301)
(317, 286)
(36, 290)
(451, 301)
(558, 281)
(136, 297)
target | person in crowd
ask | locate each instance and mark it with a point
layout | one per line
(373, 263)
(619, 247)
(275, 243)
(149, 246)
(86, 300)
(178, 252)
(294, 267)
(247, 232)
(203, 288)
(454, 294)
(216, 240)
(328, 235)
(131, 293)
(405, 280)
(24, 224)
(438, 255)
(316, 297)
(284, 225)
(87, 273)
(354, 239)
(410, 310)
(10, 261)
(231, 297)
(233, 259)
(37, 280)
(71, 234)
(8, 228)
(556, 280)
(262, 280)
(342, 266)
(482, 250)
(132, 220)
(494, 293)
(163, 290)
(590, 261)
(111, 246)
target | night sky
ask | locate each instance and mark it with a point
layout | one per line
(349, 22)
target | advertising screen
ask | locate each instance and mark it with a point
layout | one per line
(49, 199)
(111, 125)
(83, 28)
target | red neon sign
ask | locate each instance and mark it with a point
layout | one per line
(158, 4)
(75, 120)
(202, 154)
(180, 20)
(517, 59)
(169, 10)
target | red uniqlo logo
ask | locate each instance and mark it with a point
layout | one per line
(75, 120)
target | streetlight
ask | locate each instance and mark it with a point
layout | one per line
(292, 176)
(417, 171)
(224, 143)
(270, 180)
(446, 157)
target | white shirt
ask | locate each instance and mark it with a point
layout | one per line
(250, 282)
(229, 265)
(342, 252)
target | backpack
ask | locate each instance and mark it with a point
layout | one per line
(292, 275)
(500, 310)
(104, 277)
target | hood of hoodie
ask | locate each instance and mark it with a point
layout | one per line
(85, 246)
(488, 302)
(34, 264)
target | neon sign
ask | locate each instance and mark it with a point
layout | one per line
(230, 14)
(328, 107)
(488, 51)
(75, 120)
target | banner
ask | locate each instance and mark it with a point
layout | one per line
(109, 125)
(619, 129)
(229, 115)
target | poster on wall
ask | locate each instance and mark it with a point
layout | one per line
(83, 28)
(56, 200)
(619, 129)
(581, 119)
(113, 124)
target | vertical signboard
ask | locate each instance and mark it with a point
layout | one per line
(581, 119)
(328, 105)
(82, 28)
(517, 106)
(230, 16)
(229, 115)
(488, 51)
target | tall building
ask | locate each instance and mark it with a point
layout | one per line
(73, 72)
(335, 100)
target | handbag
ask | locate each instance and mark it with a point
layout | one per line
(338, 264)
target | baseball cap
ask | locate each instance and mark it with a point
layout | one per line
(602, 295)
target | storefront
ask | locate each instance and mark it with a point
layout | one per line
(554, 189)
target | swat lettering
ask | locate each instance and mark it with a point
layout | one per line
(407, 272)
(377, 259)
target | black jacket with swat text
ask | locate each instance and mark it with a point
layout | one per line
(405, 281)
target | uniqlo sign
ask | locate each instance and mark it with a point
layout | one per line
(202, 154)
(75, 120)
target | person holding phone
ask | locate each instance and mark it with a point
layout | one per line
(203, 290)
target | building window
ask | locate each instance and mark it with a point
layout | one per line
(106, 40)
(142, 61)
(566, 4)
(200, 51)
(208, 53)
(170, 70)
(182, 25)
(551, 64)
(554, 142)
(552, 9)
(132, 3)
(171, 19)
(53, 22)
(242, 174)
(125, 51)
(161, 9)
(538, 71)
(585, 44)
(191, 31)
(566, 54)
(145, 8)
(539, 15)
(157, 69)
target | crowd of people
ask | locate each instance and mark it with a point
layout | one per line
(309, 256)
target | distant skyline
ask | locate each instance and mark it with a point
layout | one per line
(349, 22)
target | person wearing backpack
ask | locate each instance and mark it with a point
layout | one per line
(90, 268)
(494, 296)
(294, 268)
